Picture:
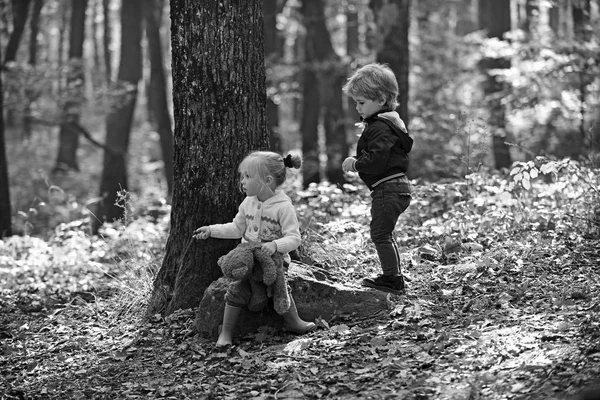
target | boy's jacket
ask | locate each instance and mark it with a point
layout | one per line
(382, 149)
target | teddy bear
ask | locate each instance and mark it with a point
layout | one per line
(264, 272)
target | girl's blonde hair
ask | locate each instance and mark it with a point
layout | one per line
(374, 82)
(268, 163)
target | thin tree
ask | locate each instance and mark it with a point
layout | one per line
(120, 116)
(68, 143)
(494, 17)
(32, 93)
(157, 91)
(272, 54)
(5, 208)
(219, 104)
(311, 99)
(20, 10)
(107, 39)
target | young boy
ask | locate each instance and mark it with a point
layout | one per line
(381, 162)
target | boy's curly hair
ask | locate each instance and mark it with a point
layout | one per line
(374, 82)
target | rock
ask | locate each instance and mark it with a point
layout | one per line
(314, 298)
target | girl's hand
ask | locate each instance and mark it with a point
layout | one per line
(202, 233)
(270, 247)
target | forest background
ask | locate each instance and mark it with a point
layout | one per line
(501, 97)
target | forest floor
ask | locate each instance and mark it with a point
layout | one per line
(503, 302)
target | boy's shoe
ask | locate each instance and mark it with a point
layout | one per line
(386, 283)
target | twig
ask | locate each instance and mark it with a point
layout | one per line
(281, 388)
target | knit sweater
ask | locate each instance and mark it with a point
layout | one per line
(273, 220)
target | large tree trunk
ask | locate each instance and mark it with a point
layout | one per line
(5, 208)
(219, 104)
(157, 93)
(120, 117)
(394, 50)
(494, 17)
(68, 144)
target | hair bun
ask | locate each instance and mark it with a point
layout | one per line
(288, 162)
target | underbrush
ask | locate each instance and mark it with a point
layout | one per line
(493, 218)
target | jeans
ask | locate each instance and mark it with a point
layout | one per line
(389, 200)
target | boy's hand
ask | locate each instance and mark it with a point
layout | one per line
(269, 247)
(348, 164)
(202, 233)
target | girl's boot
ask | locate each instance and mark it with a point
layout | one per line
(293, 322)
(230, 317)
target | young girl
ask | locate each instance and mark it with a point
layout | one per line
(266, 215)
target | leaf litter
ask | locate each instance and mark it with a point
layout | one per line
(495, 309)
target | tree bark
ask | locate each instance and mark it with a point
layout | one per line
(494, 17)
(311, 96)
(120, 117)
(34, 27)
(20, 10)
(353, 51)
(324, 74)
(107, 38)
(270, 11)
(5, 207)
(33, 45)
(219, 101)
(394, 47)
(68, 143)
(157, 92)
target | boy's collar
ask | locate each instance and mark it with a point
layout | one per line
(373, 116)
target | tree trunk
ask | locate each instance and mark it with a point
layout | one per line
(34, 23)
(466, 21)
(157, 92)
(582, 30)
(353, 51)
(271, 58)
(528, 23)
(34, 27)
(494, 17)
(219, 101)
(311, 96)
(332, 76)
(68, 143)
(5, 208)
(120, 117)
(324, 66)
(20, 10)
(394, 50)
(107, 40)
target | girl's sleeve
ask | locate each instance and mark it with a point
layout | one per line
(234, 229)
(290, 230)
